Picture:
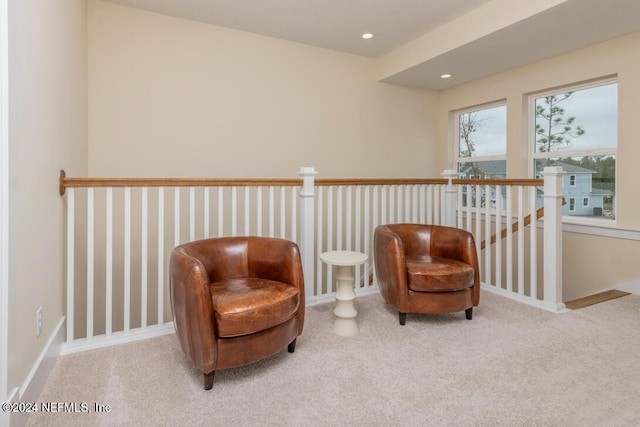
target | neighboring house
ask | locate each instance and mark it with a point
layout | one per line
(577, 186)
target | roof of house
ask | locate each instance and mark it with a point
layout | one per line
(491, 167)
(567, 167)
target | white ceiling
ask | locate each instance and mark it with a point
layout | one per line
(338, 25)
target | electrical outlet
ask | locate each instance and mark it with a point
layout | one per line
(39, 321)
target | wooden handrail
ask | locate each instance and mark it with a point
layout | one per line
(66, 182)
(519, 181)
(380, 181)
(69, 182)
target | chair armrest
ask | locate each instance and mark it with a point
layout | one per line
(192, 309)
(390, 267)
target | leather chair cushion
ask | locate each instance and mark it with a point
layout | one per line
(245, 306)
(437, 274)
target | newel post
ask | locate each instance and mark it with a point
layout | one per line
(450, 198)
(307, 227)
(553, 238)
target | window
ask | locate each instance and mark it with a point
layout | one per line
(481, 142)
(576, 129)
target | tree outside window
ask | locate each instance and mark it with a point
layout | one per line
(481, 137)
(481, 147)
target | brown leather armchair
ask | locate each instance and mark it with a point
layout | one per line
(426, 268)
(236, 300)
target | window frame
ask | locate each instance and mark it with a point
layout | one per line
(457, 160)
(533, 155)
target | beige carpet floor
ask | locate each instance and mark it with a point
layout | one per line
(512, 365)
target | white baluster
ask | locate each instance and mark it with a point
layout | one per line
(283, 210)
(90, 255)
(71, 220)
(487, 234)
(234, 211)
(109, 265)
(498, 236)
(348, 218)
(247, 211)
(520, 240)
(330, 214)
(509, 248)
(460, 210)
(220, 211)
(368, 232)
(319, 223)
(127, 259)
(259, 211)
(206, 212)
(430, 204)
(469, 227)
(143, 258)
(192, 214)
(478, 212)
(339, 215)
(294, 214)
(533, 243)
(176, 216)
(383, 204)
(161, 271)
(272, 215)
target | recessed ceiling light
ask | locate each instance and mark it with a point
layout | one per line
(367, 36)
(446, 76)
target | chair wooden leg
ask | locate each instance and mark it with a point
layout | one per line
(402, 317)
(292, 346)
(469, 313)
(208, 380)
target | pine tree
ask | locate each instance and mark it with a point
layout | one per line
(552, 128)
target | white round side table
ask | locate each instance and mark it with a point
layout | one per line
(345, 323)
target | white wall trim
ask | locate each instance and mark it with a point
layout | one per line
(4, 207)
(602, 230)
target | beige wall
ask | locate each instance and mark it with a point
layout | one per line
(170, 97)
(587, 273)
(593, 261)
(48, 130)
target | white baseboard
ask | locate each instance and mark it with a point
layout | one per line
(35, 381)
(116, 338)
(554, 308)
(631, 287)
